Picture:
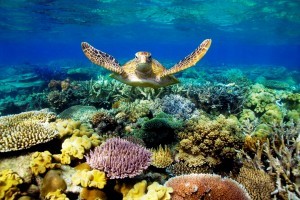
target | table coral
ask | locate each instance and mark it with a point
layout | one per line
(161, 157)
(206, 186)
(25, 130)
(9, 180)
(119, 158)
(86, 178)
(208, 142)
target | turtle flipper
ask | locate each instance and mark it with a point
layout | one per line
(102, 59)
(190, 60)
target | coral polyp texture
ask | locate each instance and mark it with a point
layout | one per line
(206, 186)
(207, 142)
(161, 157)
(119, 158)
(24, 130)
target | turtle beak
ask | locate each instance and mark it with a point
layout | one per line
(144, 59)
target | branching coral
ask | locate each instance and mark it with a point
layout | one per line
(282, 153)
(161, 157)
(206, 186)
(208, 142)
(25, 130)
(119, 158)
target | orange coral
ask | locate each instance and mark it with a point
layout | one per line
(206, 186)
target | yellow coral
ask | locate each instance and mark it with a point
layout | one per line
(57, 195)
(161, 157)
(86, 178)
(92, 194)
(40, 161)
(8, 184)
(155, 191)
(74, 147)
(52, 182)
(70, 127)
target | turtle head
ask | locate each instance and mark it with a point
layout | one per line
(143, 61)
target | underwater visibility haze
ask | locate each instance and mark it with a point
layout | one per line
(150, 99)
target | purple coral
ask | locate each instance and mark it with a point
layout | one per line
(119, 158)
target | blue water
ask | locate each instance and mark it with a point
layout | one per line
(243, 32)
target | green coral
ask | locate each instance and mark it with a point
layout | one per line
(158, 130)
(273, 115)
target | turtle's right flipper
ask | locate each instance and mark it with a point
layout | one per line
(102, 59)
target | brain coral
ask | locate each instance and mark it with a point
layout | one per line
(206, 186)
(119, 158)
(24, 130)
(209, 142)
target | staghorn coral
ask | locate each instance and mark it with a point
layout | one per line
(161, 157)
(206, 186)
(41, 161)
(119, 158)
(9, 180)
(257, 182)
(209, 142)
(86, 178)
(140, 191)
(280, 156)
(25, 130)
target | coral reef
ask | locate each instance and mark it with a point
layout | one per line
(160, 128)
(209, 142)
(175, 105)
(103, 122)
(56, 195)
(24, 130)
(41, 161)
(86, 178)
(257, 182)
(180, 168)
(92, 194)
(78, 113)
(206, 186)
(52, 182)
(140, 191)
(161, 157)
(9, 180)
(119, 158)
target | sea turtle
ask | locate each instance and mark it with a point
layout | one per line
(143, 70)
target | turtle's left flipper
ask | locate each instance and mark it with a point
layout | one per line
(101, 58)
(190, 60)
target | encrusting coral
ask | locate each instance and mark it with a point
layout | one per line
(208, 142)
(140, 191)
(119, 158)
(161, 157)
(206, 186)
(9, 180)
(25, 130)
(86, 178)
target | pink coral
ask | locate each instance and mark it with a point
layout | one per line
(206, 186)
(119, 158)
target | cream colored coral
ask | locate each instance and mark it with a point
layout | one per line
(41, 161)
(67, 128)
(86, 178)
(161, 157)
(24, 130)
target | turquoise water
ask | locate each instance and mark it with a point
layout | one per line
(243, 32)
